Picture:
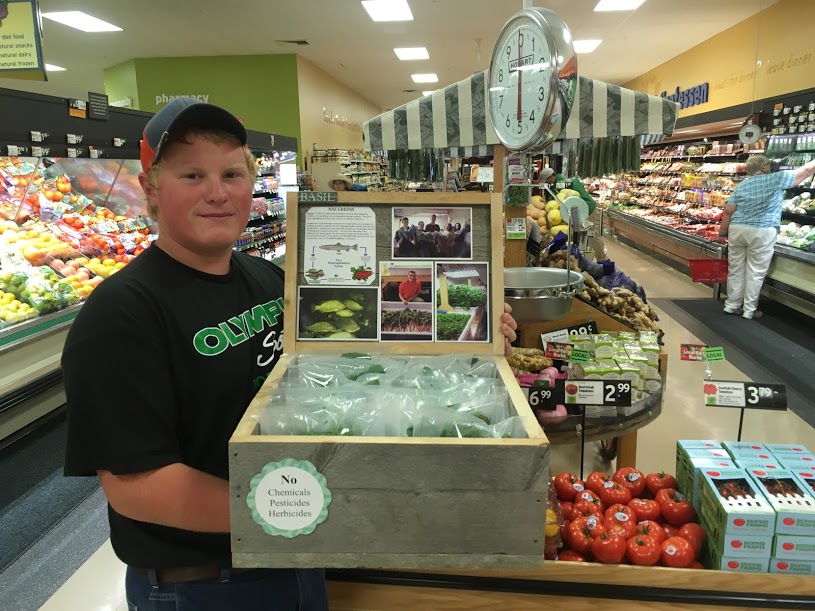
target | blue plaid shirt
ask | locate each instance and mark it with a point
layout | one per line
(759, 198)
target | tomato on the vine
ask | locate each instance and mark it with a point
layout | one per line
(608, 549)
(585, 509)
(626, 529)
(654, 482)
(595, 481)
(567, 486)
(649, 528)
(566, 508)
(630, 478)
(570, 556)
(582, 531)
(663, 495)
(677, 553)
(645, 509)
(643, 550)
(613, 493)
(677, 510)
(695, 534)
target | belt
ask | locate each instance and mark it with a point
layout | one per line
(187, 573)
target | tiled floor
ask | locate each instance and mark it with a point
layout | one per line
(99, 584)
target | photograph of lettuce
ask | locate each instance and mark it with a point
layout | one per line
(462, 298)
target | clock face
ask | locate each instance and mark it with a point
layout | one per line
(520, 83)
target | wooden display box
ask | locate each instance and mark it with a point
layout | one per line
(400, 502)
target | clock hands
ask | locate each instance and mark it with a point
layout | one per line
(520, 74)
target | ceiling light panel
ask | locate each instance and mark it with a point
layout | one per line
(618, 5)
(411, 53)
(586, 46)
(53, 68)
(424, 78)
(82, 21)
(388, 10)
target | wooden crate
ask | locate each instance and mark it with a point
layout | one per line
(400, 503)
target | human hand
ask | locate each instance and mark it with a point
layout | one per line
(508, 328)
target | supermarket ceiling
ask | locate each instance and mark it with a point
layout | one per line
(346, 43)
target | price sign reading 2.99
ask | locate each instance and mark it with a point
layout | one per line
(581, 392)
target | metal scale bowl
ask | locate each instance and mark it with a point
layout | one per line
(539, 294)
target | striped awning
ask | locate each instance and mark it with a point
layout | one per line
(457, 116)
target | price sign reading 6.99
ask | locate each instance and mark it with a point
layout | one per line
(541, 398)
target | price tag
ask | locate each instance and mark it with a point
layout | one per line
(692, 352)
(516, 229)
(714, 354)
(580, 356)
(563, 336)
(541, 398)
(555, 350)
(596, 392)
(750, 395)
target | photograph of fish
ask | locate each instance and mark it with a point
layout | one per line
(462, 302)
(338, 313)
(339, 247)
(432, 233)
(407, 301)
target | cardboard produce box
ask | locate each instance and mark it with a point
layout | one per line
(715, 560)
(731, 502)
(792, 567)
(744, 445)
(787, 448)
(690, 475)
(792, 547)
(789, 497)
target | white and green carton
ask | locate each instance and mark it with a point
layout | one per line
(789, 497)
(730, 501)
(792, 567)
(603, 346)
(651, 350)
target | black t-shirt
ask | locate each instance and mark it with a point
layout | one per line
(159, 367)
(432, 227)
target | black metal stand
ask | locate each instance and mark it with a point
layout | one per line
(741, 423)
(582, 437)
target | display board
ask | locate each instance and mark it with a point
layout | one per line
(411, 272)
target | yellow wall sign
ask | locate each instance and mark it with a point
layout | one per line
(20, 50)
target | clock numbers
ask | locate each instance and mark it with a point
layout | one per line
(520, 128)
(521, 39)
(540, 94)
(543, 63)
(532, 117)
(501, 103)
(508, 123)
(501, 76)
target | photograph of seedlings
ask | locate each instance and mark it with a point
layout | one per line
(432, 233)
(462, 298)
(337, 313)
(407, 301)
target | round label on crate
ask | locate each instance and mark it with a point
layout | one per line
(289, 498)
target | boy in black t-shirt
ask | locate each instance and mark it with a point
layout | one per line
(202, 327)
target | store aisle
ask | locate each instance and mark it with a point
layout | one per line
(98, 584)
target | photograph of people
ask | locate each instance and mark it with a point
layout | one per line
(432, 234)
(462, 313)
(407, 301)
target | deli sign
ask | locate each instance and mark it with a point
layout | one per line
(689, 97)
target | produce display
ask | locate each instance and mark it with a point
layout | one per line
(547, 215)
(370, 395)
(629, 518)
(57, 241)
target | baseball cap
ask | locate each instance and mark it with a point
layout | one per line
(546, 173)
(181, 114)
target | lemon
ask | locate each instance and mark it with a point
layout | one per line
(109, 263)
(552, 527)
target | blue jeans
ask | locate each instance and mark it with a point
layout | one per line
(261, 589)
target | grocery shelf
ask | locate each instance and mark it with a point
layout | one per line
(799, 218)
(259, 243)
(268, 217)
(795, 253)
(48, 323)
(272, 193)
(703, 244)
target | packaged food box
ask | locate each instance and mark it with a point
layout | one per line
(603, 348)
(630, 371)
(629, 335)
(716, 560)
(789, 497)
(608, 370)
(707, 453)
(792, 567)
(638, 357)
(807, 477)
(787, 448)
(683, 445)
(729, 500)
(795, 463)
(688, 475)
(651, 350)
(739, 546)
(765, 465)
(745, 445)
(794, 547)
(748, 454)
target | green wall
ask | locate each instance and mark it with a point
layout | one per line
(121, 83)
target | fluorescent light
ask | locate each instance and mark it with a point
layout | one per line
(409, 53)
(618, 5)
(586, 46)
(424, 78)
(82, 21)
(388, 10)
(53, 68)
(428, 92)
(497, 88)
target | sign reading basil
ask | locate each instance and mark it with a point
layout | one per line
(317, 197)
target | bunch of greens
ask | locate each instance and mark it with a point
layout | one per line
(450, 325)
(463, 296)
(406, 321)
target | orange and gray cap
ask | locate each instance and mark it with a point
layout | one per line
(179, 115)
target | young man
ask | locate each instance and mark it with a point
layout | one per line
(156, 435)
(409, 289)
(405, 233)
(432, 226)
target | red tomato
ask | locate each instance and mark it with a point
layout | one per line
(595, 481)
(581, 533)
(625, 529)
(567, 486)
(645, 509)
(566, 510)
(588, 495)
(643, 550)
(654, 482)
(649, 528)
(608, 549)
(663, 495)
(613, 493)
(630, 478)
(677, 553)
(695, 534)
(564, 533)
(585, 509)
(670, 531)
(696, 565)
(570, 556)
(621, 513)
(677, 510)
